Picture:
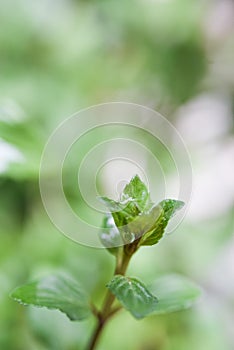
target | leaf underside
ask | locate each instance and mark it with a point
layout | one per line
(109, 235)
(174, 293)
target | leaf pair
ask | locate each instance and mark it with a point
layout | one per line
(135, 217)
(173, 292)
(63, 293)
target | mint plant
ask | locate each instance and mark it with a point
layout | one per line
(132, 222)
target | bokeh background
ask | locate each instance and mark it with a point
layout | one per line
(175, 56)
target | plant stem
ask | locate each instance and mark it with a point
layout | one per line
(107, 312)
(96, 336)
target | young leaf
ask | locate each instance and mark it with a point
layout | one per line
(133, 295)
(109, 235)
(145, 222)
(136, 190)
(55, 292)
(122, 212)
(119, 212)
(133, 201)
(169, 208)
(174, 293)
(112, 205)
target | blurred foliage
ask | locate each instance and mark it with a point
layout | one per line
(61, 56)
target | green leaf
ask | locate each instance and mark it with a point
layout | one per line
(174, 293)
(112, 205)
(117, 210)
(133, 201)
(122, 212)
(133, 295)
(136, 216)
(169, 208)
(145, 222)
(55, 292)
(136, 190)
(110, 236)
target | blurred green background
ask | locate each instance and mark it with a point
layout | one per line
(175, 56)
